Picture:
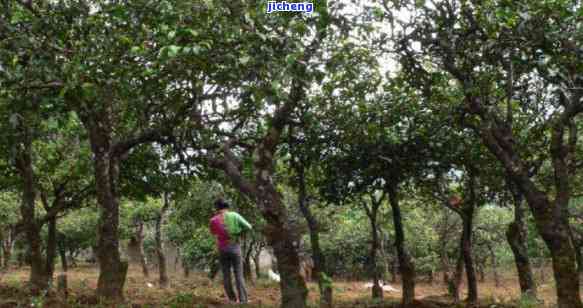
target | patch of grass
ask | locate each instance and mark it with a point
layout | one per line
(181, 300)
(527, 301)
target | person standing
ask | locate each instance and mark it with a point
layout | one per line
(227, 226)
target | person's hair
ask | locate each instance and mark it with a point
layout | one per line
(221, 204)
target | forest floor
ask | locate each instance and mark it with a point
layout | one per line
(199, 291)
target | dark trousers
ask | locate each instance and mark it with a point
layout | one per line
(233, 260)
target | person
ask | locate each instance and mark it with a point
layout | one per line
(227, 226)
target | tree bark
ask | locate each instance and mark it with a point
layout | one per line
(467, 233)
(456, 281)
(278, 232)
(377, 291)
(112, 274)
(551, 218)
(136, 247)
(24, 162)
(284, 242)
(62, 281)
(406, 265)
(247, 263)
(445, 265)
(7, 246)
(319, 270)
(372, 214)
(393, 268)
(516, 235)
(51, 248)
(163, 275)
(579, 258)
(481, 272)
(63, 257)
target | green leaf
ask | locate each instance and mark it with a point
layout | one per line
(173, 51)
(136, 50)
(290, 59)
(245, 59)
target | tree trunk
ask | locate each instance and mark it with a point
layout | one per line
(377, 290)
(455, 283)
(517, 239)
(256, 260)
(51, 248)
(552, 224)
(283, 240)
(7, 246)
(443, 253)
(63, 257)
(481, 272)
(551, 217)
(393, 268)
(557, 238)
(112, 274)
(163, 279)
(62, 282)
(38, 274)
(385, 259)
(406, 266)
(468, 219)
(136, 248)
(319, 270)
(1, 250)
(278, 231)
(579, 258)
(247, 266)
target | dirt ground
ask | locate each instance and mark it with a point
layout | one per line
(199, 291)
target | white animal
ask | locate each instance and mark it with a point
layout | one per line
(386, 287)
(273, 276)
(149, 285)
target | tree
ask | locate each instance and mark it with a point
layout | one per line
(494, 51)
(8, 219)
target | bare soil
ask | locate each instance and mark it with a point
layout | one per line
(199, 291)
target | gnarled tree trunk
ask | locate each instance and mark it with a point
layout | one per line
(551, 217)
(284, 242)
(278, 232)
(516, 235)
(112, 271)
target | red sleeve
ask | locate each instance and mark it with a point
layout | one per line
(212, 227)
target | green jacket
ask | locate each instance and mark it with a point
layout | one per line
(236, 224)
